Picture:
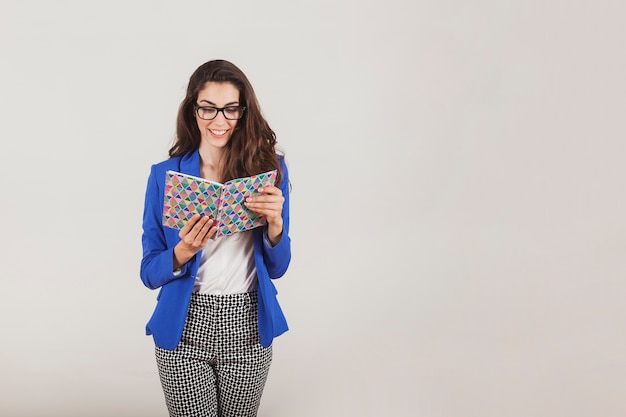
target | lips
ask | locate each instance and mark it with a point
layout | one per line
(218, 132)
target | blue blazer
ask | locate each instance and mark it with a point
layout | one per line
(157, 266)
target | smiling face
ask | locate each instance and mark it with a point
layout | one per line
(216, 133)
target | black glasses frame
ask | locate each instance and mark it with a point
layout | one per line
(218, 110)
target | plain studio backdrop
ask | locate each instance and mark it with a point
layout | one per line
(458, 202)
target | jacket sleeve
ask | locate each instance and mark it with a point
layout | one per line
(157, 265)
(277, 258)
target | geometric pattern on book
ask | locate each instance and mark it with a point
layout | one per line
(186, 195)
(234, 215)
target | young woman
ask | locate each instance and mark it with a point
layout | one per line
(217, 312)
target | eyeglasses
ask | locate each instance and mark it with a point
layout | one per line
(210, 113)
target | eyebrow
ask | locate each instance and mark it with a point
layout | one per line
(232, 103)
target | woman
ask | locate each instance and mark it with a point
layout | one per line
(217, 312)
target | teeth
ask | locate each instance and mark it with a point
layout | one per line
(218, 132)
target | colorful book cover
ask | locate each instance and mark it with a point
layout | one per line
(186, 195)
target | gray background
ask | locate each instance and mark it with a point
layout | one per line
(457, 208)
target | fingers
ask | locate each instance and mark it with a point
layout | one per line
(266, 201)
(268, 204)
(197, 232)
(268, 196)
(193, 237)
(270, 190)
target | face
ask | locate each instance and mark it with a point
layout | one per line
(218, 131)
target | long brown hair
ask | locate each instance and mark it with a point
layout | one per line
(252, 146)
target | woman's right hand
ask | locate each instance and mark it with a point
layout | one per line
(193, 237)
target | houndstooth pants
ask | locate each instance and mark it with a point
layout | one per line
(219, 368)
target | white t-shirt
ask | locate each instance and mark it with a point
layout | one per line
(227, 265)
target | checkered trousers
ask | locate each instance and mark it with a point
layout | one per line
(219, 368)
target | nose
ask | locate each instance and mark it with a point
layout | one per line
(220, 117)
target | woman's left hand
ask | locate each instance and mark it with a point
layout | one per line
(270, 205)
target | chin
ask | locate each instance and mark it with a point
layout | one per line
(217, 143)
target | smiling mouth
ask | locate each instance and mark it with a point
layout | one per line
(218, 132)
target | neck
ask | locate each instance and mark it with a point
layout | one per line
(211, 163)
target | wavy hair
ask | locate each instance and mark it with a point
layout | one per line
(252, 146)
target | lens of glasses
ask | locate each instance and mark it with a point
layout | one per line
(231, 112)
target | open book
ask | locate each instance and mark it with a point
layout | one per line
(186, 195)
